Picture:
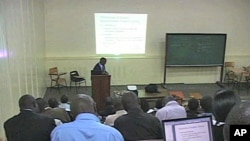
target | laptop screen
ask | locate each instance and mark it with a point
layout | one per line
(188, 129)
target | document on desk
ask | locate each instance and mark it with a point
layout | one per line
(192, 132)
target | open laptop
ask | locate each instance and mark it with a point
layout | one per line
(188, 129)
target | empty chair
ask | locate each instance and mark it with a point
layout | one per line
(56, 78)
(75, 77)
(244, 80)
(230, 76)
(242, 75)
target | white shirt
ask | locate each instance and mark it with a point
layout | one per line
(66, 106)
(110, 119)
(172, 110)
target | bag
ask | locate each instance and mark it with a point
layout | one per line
(151, 88)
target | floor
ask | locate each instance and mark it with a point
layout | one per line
(203, 89)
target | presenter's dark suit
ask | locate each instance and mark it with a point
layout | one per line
(97, 67)
(29, 126)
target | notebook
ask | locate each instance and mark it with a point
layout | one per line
(188, 129)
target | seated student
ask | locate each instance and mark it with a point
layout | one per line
(158, 105)
(239, 115)
(56, 113)
(86, 126)
(206, 106)
(110, 119)
(109, 107)
(53, 103)
(223, 102)
(64, 103)
(192, 108)
(171, 110)
(28, 125)
(137, 125)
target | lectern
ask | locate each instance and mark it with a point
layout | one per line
(100, 89)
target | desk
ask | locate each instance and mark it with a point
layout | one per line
(149, 100)
(144, 95)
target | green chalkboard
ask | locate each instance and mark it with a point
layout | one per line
(185, 49)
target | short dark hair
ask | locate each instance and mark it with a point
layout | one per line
(129, 100)
(64, 99)
(206, 103)
(53, 103)
(42, 104)
(103, 58)
(109, 101)
(166, 99)
(193, 104)
(27, 102)
(223, 102)
(82, 103)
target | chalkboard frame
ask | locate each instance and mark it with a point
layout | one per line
(203, 37)
(221, 64)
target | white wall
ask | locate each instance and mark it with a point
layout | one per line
(70, 41)
(70, 36)
(22, 54)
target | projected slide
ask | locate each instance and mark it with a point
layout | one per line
(118, 33)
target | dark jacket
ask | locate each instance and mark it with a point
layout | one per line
(29, 126)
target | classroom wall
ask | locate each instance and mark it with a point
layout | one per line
(22, 51)
(62, 31)
(70, 37)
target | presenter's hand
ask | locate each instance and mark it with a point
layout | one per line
(105, 73)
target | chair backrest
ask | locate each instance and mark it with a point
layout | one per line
(247, 69)
(229, 65)
(74, 73)
(53, 73)
(53, 70)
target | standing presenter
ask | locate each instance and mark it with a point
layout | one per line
(100, 66)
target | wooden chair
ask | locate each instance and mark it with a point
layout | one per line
(230, 77)
(244, 79)
(243, 75)
(56, 78)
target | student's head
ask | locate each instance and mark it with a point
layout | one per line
(64, 99)
(129, 100)
(158, 104)
(206, 104)
(82, 103)
(109, 100)
(193, 104)
(42, 104)
(103, 61)
(27, 102)
(53, 103)
(239, 115)
(167, 99)
(223, 102)
(118, 104)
